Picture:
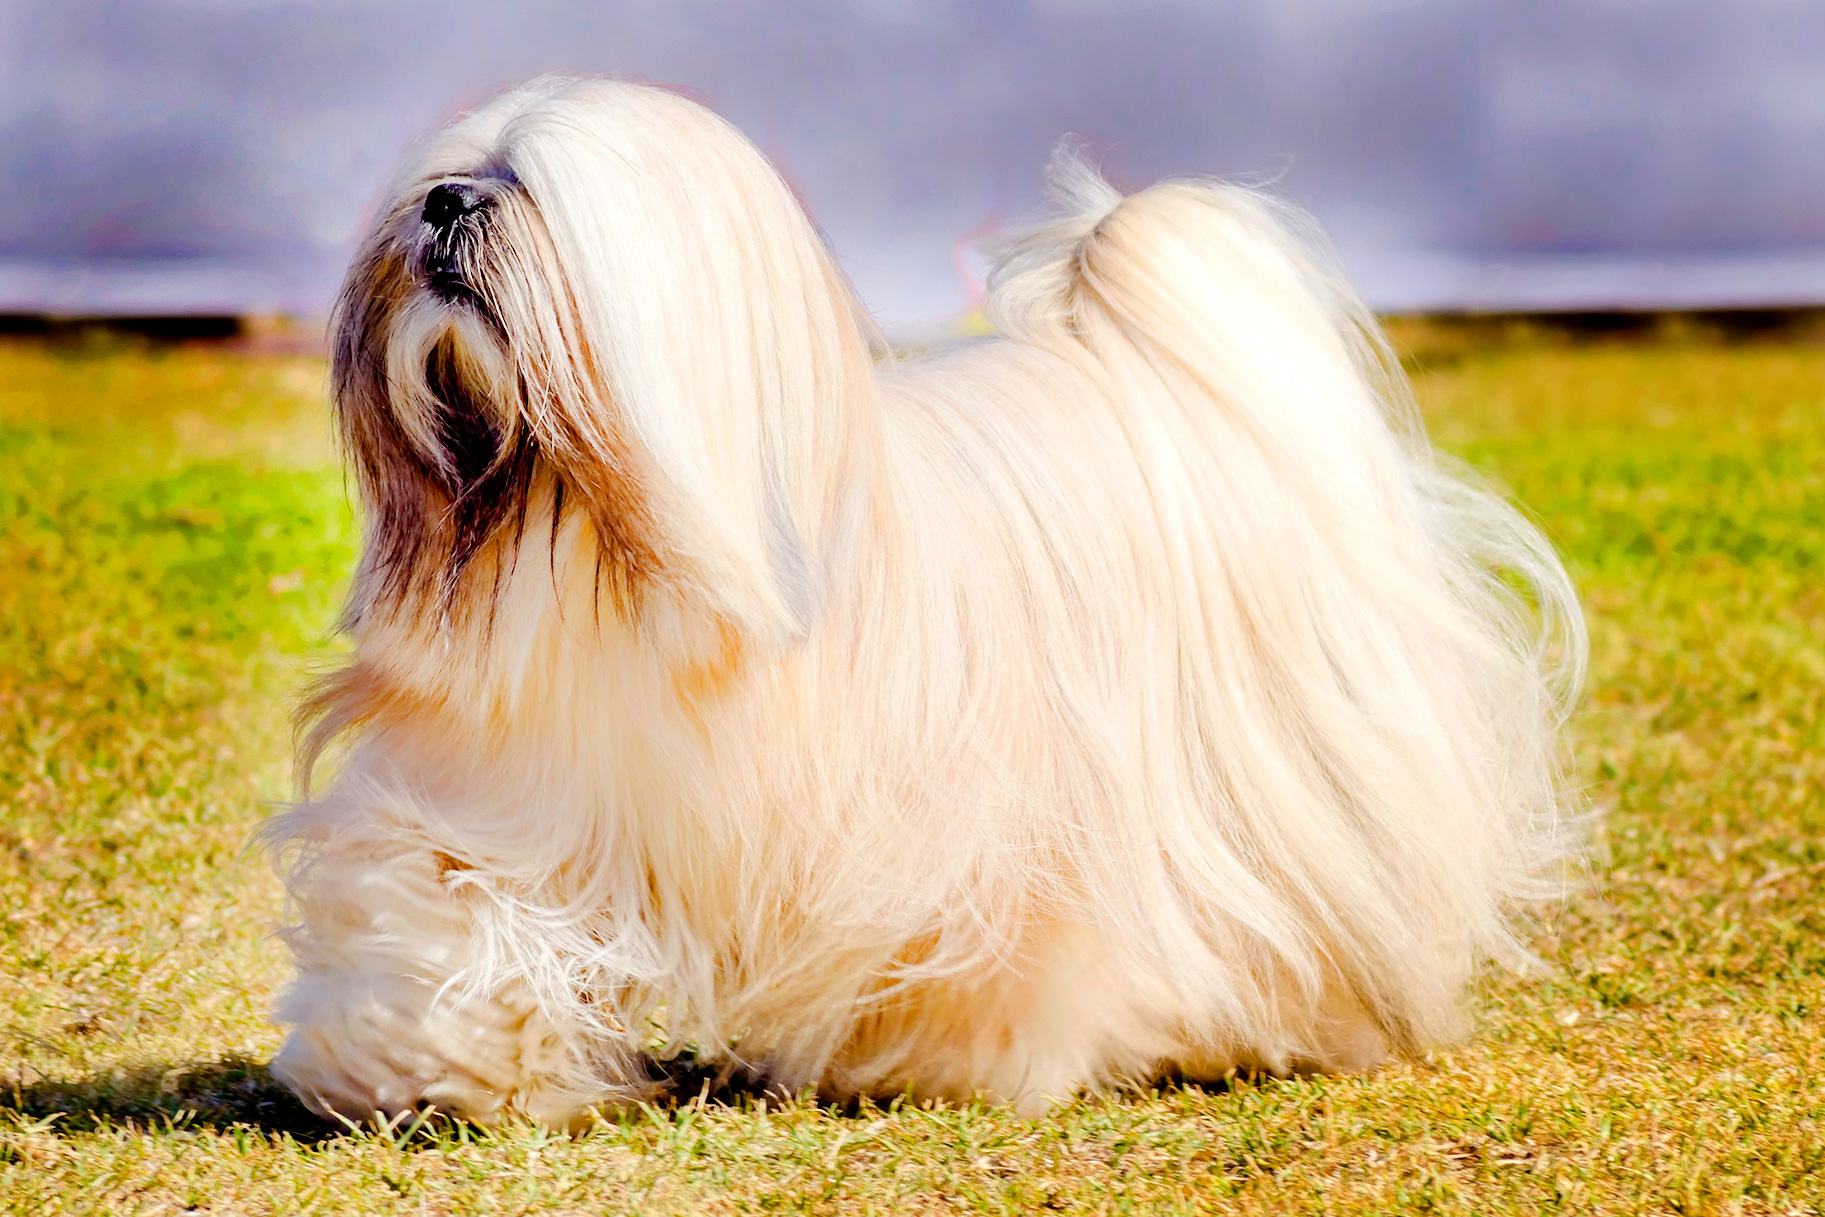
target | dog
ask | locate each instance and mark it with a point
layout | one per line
(1131, 693)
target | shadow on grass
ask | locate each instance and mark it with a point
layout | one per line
(236, 1093)
(688, 1082)
(210, 1096)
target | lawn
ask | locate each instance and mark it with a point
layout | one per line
(173, 540)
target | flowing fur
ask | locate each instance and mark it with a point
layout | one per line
(1132, 692)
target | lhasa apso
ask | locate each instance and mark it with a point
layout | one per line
(1130, 693)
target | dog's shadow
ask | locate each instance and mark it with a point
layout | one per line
(239, 1093)
(231, 1093)
(205, 1096)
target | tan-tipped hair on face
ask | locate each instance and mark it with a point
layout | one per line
(1132, 692)
(443, 413)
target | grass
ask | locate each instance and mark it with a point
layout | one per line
(172, 539)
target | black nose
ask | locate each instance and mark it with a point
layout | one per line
(450, 202)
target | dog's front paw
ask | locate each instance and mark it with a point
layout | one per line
(367, 1047)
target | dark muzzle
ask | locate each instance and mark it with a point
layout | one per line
(447, 211)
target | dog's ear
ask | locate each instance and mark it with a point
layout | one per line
(708, 371)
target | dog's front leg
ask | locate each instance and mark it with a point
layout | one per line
(389, 1013)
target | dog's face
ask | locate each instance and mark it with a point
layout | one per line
(593, 311)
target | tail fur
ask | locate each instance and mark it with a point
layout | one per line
(1387, 649)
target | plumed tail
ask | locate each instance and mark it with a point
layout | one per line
(1377, 653)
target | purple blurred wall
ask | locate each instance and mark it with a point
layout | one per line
(184, 156)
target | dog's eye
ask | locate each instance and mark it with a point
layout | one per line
(467, 433)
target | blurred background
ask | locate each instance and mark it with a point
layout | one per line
(217, 158)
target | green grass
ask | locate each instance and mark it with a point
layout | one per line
(173, 537)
